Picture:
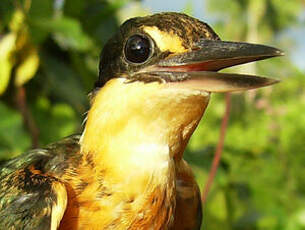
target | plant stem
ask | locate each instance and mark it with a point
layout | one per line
(27, 116)
(219, 148)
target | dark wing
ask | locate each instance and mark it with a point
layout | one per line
(31, 195)
(31, 200)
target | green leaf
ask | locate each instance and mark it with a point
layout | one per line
(13, 138)
(67, 32)
(64, 82)
(61, 120)
(6, 13)
(41, 9)
(188, 8)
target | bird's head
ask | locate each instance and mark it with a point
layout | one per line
(173, 47)
(158, 71)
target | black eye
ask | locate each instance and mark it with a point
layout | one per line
(137, 49)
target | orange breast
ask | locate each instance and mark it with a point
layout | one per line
(156, 213)
(92, 206)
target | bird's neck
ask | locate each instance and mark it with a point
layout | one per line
(133, 126)
(135, 132)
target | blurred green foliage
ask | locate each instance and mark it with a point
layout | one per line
(49, 50)
(260, 182)
(49, 53)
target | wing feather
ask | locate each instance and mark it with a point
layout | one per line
(31, 200)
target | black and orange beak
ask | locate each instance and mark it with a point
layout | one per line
(198, 68)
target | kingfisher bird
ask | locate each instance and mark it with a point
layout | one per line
(126, 169)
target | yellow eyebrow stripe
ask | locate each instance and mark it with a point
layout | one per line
(166, 41)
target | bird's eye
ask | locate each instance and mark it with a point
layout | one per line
(138, 49)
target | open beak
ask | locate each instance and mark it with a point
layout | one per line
(198, 68)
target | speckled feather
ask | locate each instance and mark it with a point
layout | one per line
(30, 185)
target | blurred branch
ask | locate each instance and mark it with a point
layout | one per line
(27, 116)
(219, 148)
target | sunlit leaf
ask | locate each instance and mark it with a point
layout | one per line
(27, 69)
(7, 47)
(17, 21)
